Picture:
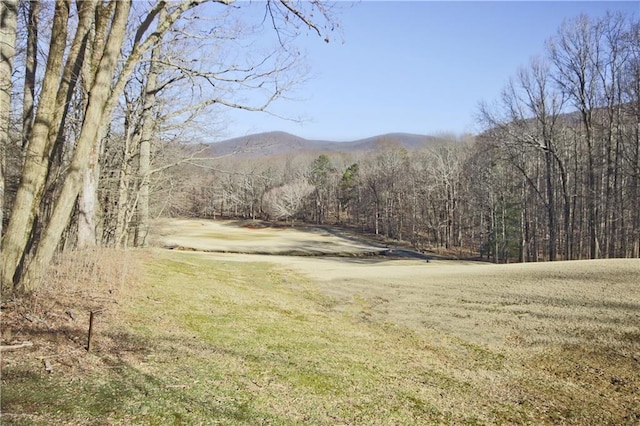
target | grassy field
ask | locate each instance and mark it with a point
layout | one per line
(202, 338)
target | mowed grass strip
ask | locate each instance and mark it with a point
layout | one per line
(260, 346)
(204, 341)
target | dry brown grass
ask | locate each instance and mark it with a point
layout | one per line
(90, 272)
(55, 318)
(569, 331)
(208, 338)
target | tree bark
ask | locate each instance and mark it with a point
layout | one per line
(88, 199)
(93, 119)
(8, 27)
(124, 174)
(34, 171)
(551, 204)
(148, 128)
(31, 62)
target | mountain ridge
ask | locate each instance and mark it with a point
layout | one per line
(280, 143)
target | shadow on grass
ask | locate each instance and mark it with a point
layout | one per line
(137, 381)
(172, 380)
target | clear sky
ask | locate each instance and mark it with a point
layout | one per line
(414, 66)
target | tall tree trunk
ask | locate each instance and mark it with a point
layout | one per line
(31, 62)
(636, 191)
(26, 204)
(88, 199)
(522, 255)
(551, 204)
(592, 193)
(93, 120)
(148, 128)
(8, 26)
(124, 175)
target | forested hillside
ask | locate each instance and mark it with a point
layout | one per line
(556, 174)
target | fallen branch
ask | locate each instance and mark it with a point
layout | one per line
(16, 346)
(71, 314)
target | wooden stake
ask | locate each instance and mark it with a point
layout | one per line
(91, 314)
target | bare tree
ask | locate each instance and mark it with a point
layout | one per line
(530, 123)
(286, 201)
(146, 134)
(87, 199)
(8, 28)
(631, 150)
(575, 53)
(39, 147)
(97, 52)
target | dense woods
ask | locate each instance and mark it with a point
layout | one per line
(568, 124)
(100, 99)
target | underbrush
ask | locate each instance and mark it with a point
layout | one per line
(89, 279)
(45, 335)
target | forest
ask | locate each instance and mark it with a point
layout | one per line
(99, 101)
(555, 175)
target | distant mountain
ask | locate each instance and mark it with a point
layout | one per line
(280, 143)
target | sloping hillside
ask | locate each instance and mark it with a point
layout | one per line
(278, 143)
(238, 339)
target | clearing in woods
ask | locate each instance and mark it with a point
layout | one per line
(233, 330)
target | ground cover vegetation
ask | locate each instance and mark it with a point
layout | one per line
(202, 338)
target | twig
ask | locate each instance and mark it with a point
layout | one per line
(33, 318)
(16, 346)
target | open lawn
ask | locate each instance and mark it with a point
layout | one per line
(222, 338)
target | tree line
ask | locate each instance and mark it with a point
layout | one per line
(554, 175)
(567, 126)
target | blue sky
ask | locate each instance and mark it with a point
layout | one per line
(416, 66)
